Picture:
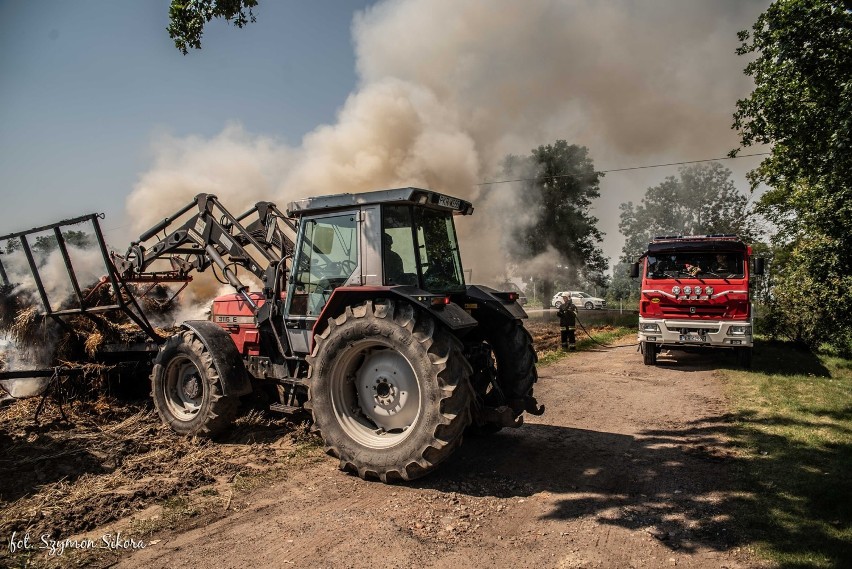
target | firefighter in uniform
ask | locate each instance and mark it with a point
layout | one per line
(567, 321)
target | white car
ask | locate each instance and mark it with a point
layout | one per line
(580, 300)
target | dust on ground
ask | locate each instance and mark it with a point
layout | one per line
(626, 468)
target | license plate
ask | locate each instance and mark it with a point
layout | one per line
(692, 338)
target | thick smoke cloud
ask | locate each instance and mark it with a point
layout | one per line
(448, 88)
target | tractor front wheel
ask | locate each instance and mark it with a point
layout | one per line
(187, 389)
(388, 391)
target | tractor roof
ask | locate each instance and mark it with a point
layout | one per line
(399, 196)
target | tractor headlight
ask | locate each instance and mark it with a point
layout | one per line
(708, 290)
(675, 290)
(696, 290)
(649, 327)
(739, 331)
(687, 289)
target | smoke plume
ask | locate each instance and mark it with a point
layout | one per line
(448, 88)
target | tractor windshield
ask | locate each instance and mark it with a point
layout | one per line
(687, 265)
(420, 248)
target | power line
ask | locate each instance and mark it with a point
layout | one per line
(626, 169)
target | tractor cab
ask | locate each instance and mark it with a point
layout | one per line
(371, 241)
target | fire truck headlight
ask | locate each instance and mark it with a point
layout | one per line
(687, 289)
(649, 327)
(675, 289)
(708, 290)
(739, 331)
(696, 290)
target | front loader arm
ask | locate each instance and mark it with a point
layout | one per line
(208, 234)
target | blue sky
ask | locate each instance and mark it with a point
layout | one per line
(85, 85)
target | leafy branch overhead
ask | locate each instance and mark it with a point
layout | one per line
(188, 18)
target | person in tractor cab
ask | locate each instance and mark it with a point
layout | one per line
(394, 269)
(567, 322)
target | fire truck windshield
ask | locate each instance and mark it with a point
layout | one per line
(697, 265)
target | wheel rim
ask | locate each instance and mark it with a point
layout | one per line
(184, 388)
(375, 395)
(589, 306)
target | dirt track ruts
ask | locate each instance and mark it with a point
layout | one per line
(627, 468)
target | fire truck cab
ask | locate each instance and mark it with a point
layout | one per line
(695, 294)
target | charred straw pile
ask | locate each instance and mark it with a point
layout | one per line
(78, 340)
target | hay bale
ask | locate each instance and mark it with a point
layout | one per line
(26, 327)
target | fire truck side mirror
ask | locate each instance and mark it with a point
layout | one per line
(634, 270)
(759, 263)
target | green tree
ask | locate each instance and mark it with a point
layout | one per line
(559, 185)
(623, 287)
(801, 63)
(45, 244)
(187, 18)
(701, 200)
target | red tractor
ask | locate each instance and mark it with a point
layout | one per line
(361, 315)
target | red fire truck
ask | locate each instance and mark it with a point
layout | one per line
(695, 294)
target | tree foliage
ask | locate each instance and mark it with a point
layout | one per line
(802, 106)
(559, 185)
(187, 18)
(701, 200)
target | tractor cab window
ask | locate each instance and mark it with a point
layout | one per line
(419, 247)
(440, 263)
(398, 256)
(328, 255)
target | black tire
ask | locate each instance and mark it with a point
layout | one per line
(589, 306)
(389, 350)
(187, 389)
(744, 357)
(649, 353)
(558, 304)
(512, 366)
(515, 357)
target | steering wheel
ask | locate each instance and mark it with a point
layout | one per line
(348, 265)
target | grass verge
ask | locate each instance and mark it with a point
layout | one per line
(792, 426)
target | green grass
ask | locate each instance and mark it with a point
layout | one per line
(792, 425)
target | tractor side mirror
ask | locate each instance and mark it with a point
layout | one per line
(759, 265)
(634, 270)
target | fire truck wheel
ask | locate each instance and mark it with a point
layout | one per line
(744, 357)
(649, 353)
(187, 390)
(389, 391)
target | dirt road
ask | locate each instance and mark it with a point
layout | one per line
(624, 469)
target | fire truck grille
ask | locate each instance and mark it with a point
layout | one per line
(693, 311)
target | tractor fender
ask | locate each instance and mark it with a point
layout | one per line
(227, 360)
(490, 304)
(451, 315)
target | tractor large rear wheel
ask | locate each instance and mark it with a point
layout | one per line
(187, 389)
(388, 391)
